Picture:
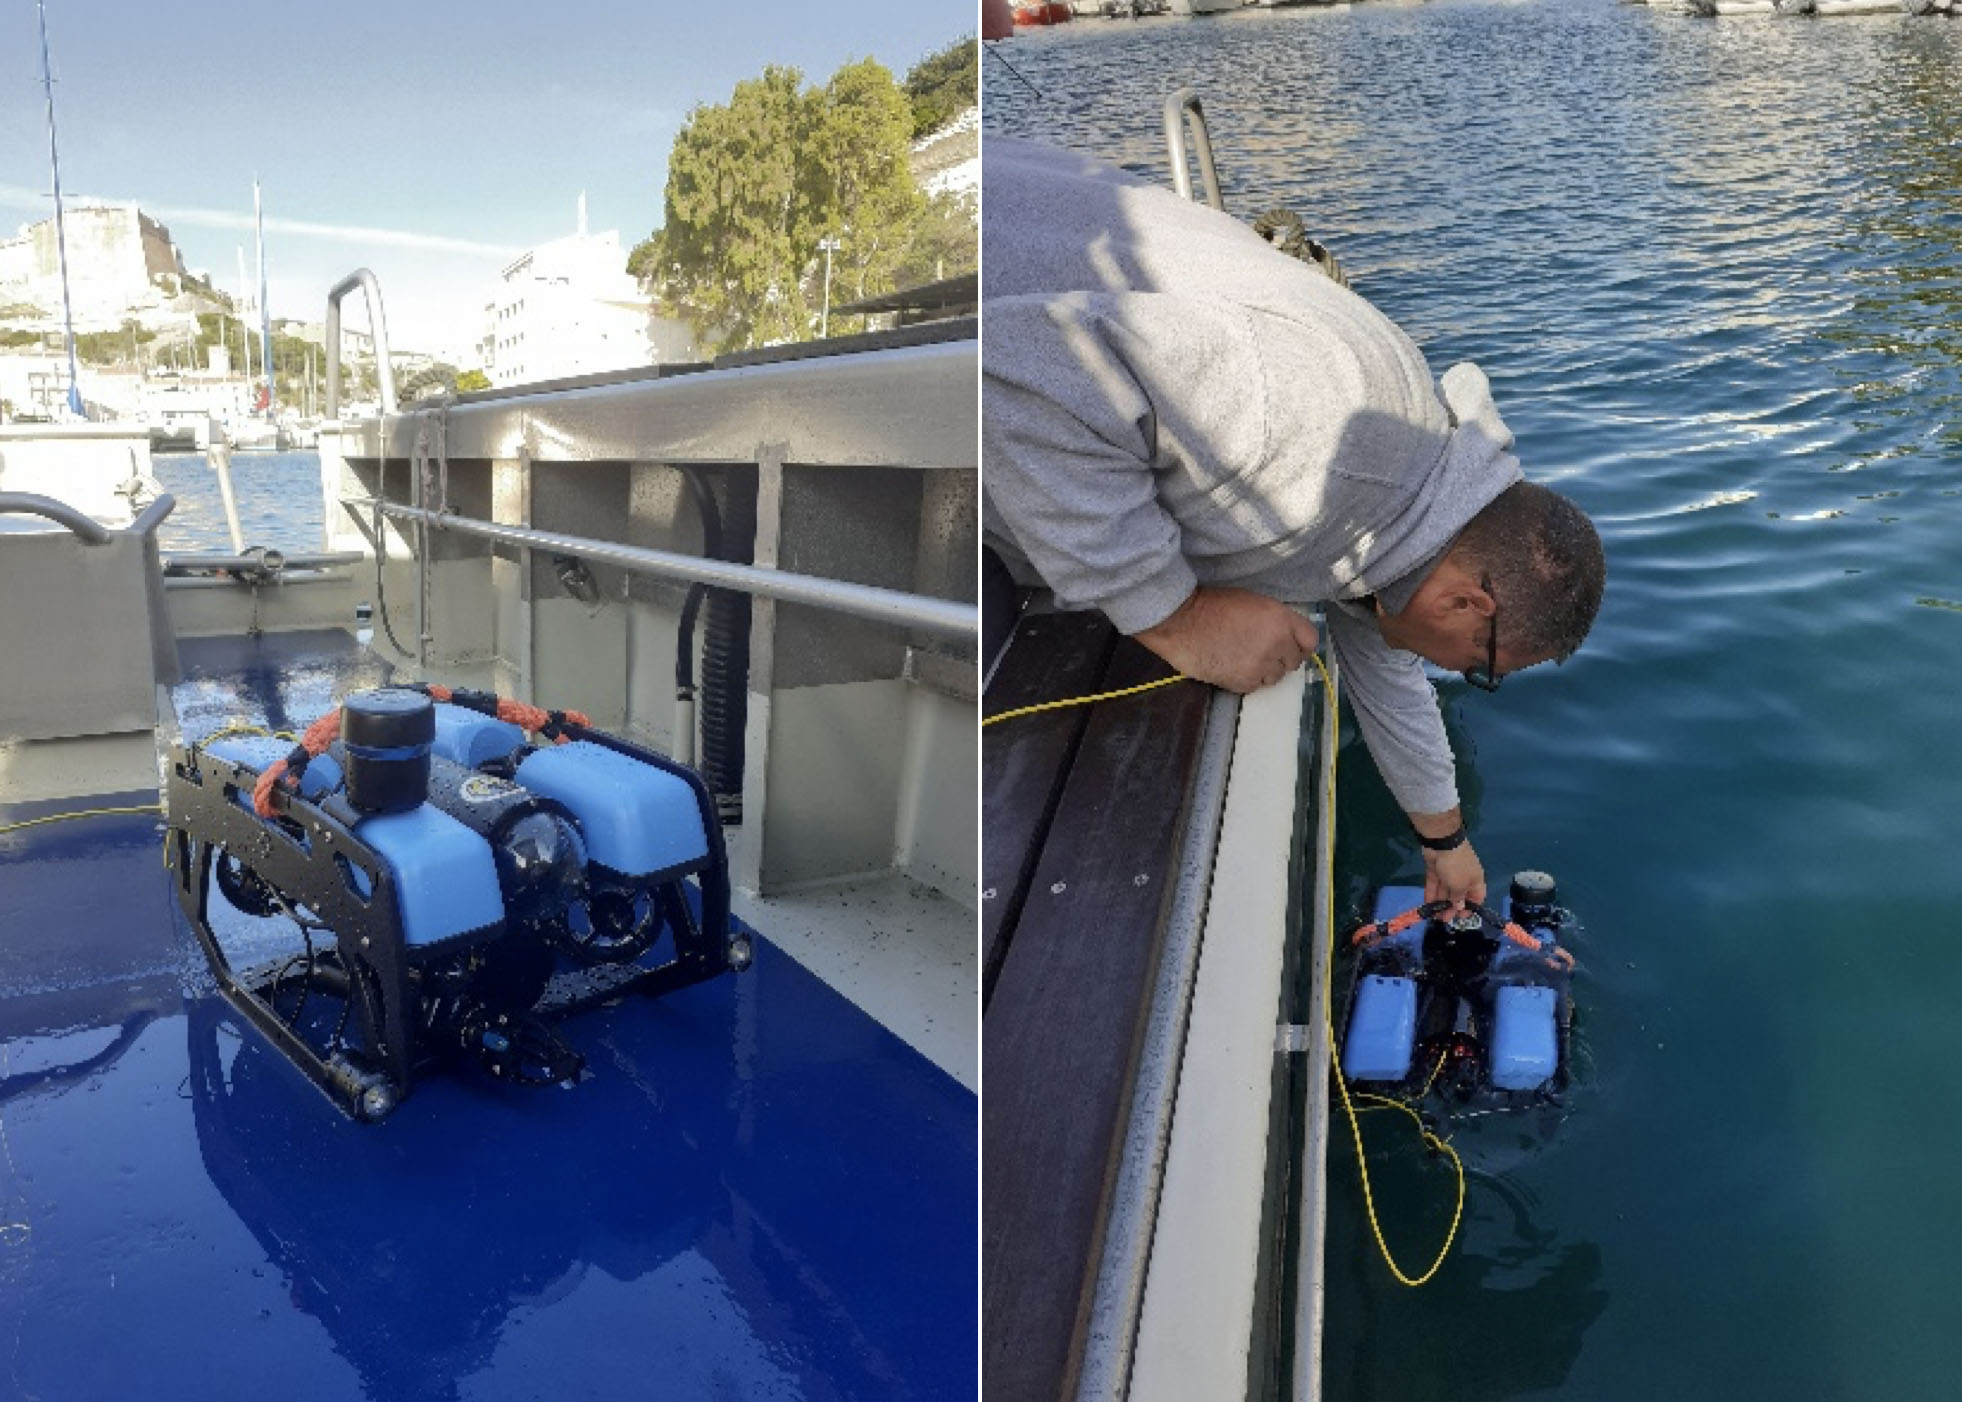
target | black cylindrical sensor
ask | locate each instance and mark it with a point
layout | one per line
(386, 734)
(1532, 897)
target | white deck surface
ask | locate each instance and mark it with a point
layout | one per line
(900, 952)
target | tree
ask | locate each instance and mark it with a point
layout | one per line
(943, 85)
(472, 380)
(944, 243)
(733, 240)
(860, 184)
(755, 185)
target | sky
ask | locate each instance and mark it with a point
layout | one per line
(430, 143)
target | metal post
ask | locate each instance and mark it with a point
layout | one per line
(265, 316)
(61, 227)
(829, 245)
(219, 455)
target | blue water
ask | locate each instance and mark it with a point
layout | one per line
(278, 497)
(1713, 269)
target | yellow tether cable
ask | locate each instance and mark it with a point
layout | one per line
(1083, 700)
(1335, 1052)
(6, 828)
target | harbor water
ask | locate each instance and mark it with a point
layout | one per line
(278, 496)
(1713, 270)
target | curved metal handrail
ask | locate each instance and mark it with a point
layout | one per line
(377, 323)
(60, 512)
(1182, 108)
(152, 515)
(91, 531)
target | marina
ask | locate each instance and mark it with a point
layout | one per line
(1729, 347)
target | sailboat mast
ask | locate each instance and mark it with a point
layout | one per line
(61, 228)
(265, 316)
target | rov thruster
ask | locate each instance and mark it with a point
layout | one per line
(453, 888)
(1474, 1004)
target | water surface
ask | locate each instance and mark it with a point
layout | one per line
(1712, 269)
(278, 497)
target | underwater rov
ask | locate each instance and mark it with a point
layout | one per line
(452, 889)
(1474, 1005)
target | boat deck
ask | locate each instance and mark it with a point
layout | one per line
(760, 1191)
(1083, 809)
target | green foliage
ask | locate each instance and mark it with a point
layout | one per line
(861, 182)
(944, 243)
(943, 85)
(20, 338)
(756, 185)
(124, 347)
(733, 241)
(472, 380)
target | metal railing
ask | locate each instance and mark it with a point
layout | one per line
(90, 530)
(377, 324)
(938, 616)
(1182, 110)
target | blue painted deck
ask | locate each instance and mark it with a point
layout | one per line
(759, 1193)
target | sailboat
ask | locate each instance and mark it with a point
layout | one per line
(259, 429)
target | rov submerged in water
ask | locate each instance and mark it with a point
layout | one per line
(1474, 1004)
(452, 887)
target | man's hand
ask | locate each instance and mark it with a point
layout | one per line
(1232, 638)
(1454, 876)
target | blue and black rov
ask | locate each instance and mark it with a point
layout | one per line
(438, 886)
(1469, 1003)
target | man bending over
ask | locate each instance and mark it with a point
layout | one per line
(1190, 431)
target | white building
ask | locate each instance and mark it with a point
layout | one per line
(569, 307)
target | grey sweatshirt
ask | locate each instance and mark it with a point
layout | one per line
(1167, 401)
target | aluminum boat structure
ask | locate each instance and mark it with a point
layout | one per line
(763, 1184)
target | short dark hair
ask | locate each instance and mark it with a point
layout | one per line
(1545, 563)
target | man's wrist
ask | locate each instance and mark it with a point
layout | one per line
(1450, 842)
(1439, 832)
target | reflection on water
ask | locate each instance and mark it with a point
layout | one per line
(1713, 270)
(278, 496)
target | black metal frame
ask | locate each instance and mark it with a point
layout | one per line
(308, 855)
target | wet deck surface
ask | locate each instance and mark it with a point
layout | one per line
(757, 1193)
(1082, 810)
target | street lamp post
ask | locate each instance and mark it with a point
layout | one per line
(830, 246)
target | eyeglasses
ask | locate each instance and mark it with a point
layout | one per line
(1487, 678)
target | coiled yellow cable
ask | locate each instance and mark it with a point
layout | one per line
(1335, 1057)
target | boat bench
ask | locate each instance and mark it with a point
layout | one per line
(1083, 811)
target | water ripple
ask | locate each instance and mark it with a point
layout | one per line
(1714, 271)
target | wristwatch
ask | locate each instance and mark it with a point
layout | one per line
(1450, 842)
